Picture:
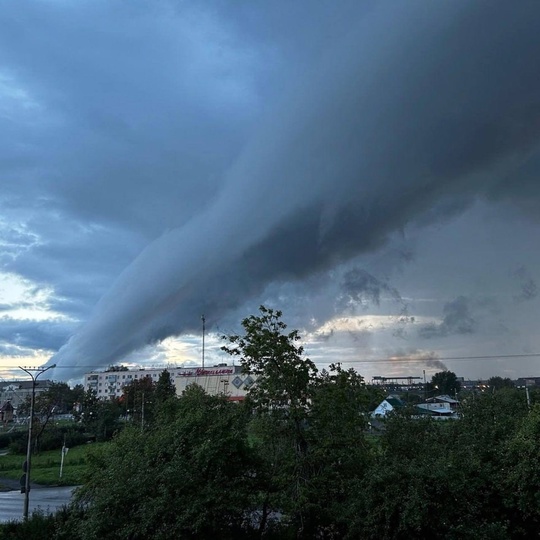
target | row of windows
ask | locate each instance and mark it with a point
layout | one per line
(115, 377)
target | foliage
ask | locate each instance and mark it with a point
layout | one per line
(100, 418)
(187, 478)
(294, 460)
(13, 437)
(308, 430)
(112, 369)
(272, 356)
(138, 400)
(497, 383)
(42, 526)
(59, 398)
(445, 382)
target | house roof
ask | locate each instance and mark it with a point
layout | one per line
(445, 398)
(394, 401)
(434, 408)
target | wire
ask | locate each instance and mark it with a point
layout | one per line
(393, 360)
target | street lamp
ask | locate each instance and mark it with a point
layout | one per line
(26, 466)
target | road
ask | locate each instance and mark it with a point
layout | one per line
(47, 499)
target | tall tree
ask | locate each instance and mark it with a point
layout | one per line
(138, 400)
(445, 382)
(496, 383)
(190, 476)
(280, 399)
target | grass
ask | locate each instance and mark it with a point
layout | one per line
(45, 468)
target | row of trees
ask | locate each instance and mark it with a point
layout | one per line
(296, 460)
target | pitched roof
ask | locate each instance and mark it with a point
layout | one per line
(395, 401)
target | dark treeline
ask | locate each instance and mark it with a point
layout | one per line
(297, 460)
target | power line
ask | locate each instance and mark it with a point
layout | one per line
(355, 361)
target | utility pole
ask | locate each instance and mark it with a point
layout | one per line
(26, 467)
(203, 329)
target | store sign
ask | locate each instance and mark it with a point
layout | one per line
(200, 372)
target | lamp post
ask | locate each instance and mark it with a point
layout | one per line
(26, 466)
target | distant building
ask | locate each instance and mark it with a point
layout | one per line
(227, 380)
(220, 379)
(6, 412)
(437, 407)
(17, 392)
(444, 399)
(527, 382)
(391, 403)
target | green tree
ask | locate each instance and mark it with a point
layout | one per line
(284, 378)
(338, 452)
(138, 400)
(190, 476)
(100, 417)
(445, 382)
(522, 476)
(450, 479)
(165, 388)
(280, 399)
(497, 383)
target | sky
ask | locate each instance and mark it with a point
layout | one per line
(368, 168)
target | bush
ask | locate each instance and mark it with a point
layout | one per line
(41, 526)
(51, 439)
(6, 439)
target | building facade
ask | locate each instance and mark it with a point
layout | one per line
(17, 392)
(220, 379)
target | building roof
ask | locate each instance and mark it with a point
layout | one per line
(444, 398)
(435, 408)
(394, 401)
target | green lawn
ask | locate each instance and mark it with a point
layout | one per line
(46, 466)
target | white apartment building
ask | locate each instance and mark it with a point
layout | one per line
(220, 379)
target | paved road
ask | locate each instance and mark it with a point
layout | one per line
(47, 499)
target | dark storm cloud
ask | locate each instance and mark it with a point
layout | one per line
(457, 319)
(29, 334)
(360, 288)
(528, 290)
(264, 170)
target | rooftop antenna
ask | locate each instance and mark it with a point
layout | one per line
(203, 329)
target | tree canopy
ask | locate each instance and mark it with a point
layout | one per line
(297, 459)
(445, 382)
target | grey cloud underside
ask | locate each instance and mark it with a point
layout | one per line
(27, 335)
(528, 289)
(417, 111)
(457, 319)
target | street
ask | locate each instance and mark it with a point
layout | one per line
(47, 499)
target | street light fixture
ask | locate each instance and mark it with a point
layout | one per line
(26, 466)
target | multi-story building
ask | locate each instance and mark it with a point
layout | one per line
(17, 392)
(220, 379)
